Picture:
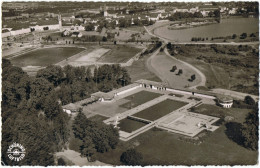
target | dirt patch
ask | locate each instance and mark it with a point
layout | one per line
(93, 56)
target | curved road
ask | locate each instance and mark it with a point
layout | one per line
(202, 76)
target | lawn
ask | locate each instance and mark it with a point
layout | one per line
(98, 118)
(217, 149)
(129, 125)
(139, 98)
(136, 28)
(45, 56)
(159, 110)
(216, 111)
(119, 54)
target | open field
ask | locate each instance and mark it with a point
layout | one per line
(234, 67)
(98, 118)
(139, 98)
(119, 54)
(162, 64)
(136, 28)
(159, 110)
(162, 148)
(139, 70)
(129, 125)
(45, 56)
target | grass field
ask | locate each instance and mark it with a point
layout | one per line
(162, 148)
(159, 110)
(119, 54)
(233, 67)
(138, 70)
(129, 125)
(45, 56)
(98, 118)
(139, 98)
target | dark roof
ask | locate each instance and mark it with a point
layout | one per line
(75, 33)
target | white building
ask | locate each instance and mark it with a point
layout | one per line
(225, 101)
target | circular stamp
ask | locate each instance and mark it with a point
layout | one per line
(16, 152)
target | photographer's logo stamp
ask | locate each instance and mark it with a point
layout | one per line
(16, 152)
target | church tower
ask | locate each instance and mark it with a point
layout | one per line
(60, 22)
(105, 11)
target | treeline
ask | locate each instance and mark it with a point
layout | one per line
(152, 47)
(77, 83)
(94, 136)
(185, 15)
(31, 116)
(253, 37)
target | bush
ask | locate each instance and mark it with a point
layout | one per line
(61, 162)
(131, 157)
(249, 100)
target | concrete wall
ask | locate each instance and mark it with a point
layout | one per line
(21, 31)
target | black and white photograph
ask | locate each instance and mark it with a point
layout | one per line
(130, 83)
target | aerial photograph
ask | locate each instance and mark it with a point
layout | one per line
(130, 83)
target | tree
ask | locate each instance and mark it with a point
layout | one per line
(243, 36)
(250, 129)
(104, 39)
(193, 77)
(169, 46)
(131, 157)
(180, 72)
(217, 13)
(87, 148)
(61, 162)
(249, 100)
(174, 68)
(234, 36)
(52, 73)
(90, 27)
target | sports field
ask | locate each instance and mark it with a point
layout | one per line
(129, 125)
(45, 56)
(159, 110)
(139, 98)
(119, 54)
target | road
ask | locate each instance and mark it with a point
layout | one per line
(165, 79)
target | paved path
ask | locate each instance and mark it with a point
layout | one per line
(75, 158)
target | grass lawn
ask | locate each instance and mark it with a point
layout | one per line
(98, 118)
(136, 28)
(138, 70)
(159, 110)
(139, 98)
(129, 125)
(217, 149)
(119, 54)
(45, 56)
(216, 111)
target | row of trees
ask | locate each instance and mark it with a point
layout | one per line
(185, 15)
(31, 116)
